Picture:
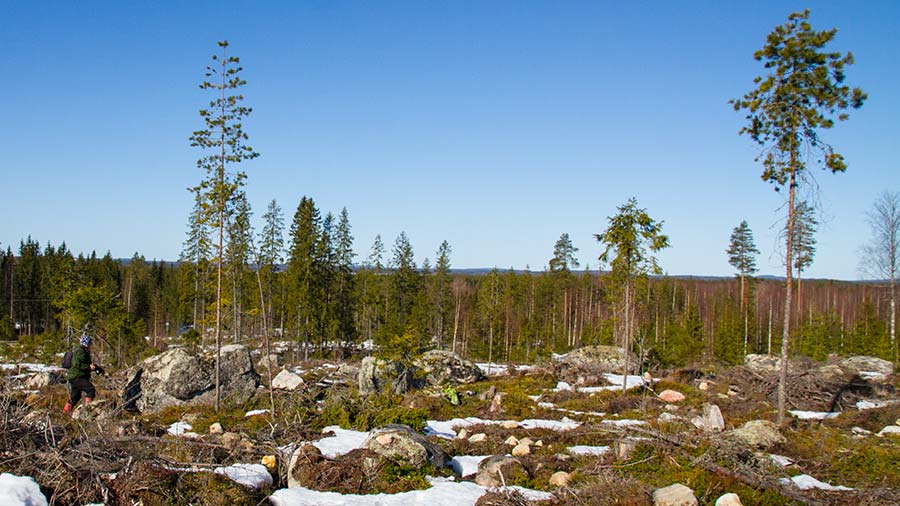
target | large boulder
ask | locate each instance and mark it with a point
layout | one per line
(592, 362)
(439, 367)
(376, 375)
(178, 377)
(401, 443)
(762, 364)
(863, 364)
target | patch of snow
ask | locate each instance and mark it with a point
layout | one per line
(624, 423)
(781, 460)
(31, 367)
(813, 415)
(464, 465)
(872, 375)
(447, 429)
(179, 428)
(546, 405)
(249, 475)
(343, 441)
(864, 404)
(463, 493)
(20, 490)
(562, 386)
(615, 380)
(890, 430)
(588, 450)
(807, 482)
(256, 412)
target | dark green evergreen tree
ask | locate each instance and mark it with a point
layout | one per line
(742, 256)
(802, 94)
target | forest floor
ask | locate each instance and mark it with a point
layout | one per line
(585, 444)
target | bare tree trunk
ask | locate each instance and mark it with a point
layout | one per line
(786, 331)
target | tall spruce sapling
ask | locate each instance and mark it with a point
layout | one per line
(742, 256)
(629, 243)
(223, 142)
(802, 94)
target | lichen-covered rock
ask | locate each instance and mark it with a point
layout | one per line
(491, 468)
(403, 444)
(178, 377)
(674, 495)
(440, 367)
(376, 375)
(593, 361)
(762, 364)
(761, 434)
(865, 364)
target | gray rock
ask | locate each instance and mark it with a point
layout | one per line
(439, 367)
(403, 444)
(761, 434)
(593, 361)
(499, 470)
(711, 421)
(861, 363)
(286, 380)
(762, 364)
(376, 375)
(178, 377)
(674, 495)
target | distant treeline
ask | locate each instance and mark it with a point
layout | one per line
(317, 299)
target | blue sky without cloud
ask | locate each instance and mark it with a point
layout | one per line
(494, 125)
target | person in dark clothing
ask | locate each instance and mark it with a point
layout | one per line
(79, 374)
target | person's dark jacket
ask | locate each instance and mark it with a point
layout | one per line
(81, 364)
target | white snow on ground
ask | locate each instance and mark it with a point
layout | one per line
(495, 369)
(872, 375)
(20, 491)
(624, 423)
(462, 493)
(31, 367)
(343, 441)
(464, 465)
(813, 415)
(249, 475)
(589, 450)
(807, 482)
(179, 428)
(864, 404)
(781, 460)
(256, 412)
(447, 429)
(615, 380)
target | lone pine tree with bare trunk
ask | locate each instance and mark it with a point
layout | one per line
(222, 140)
(742, 256)
(802, 94)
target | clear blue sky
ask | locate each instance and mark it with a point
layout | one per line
(494, 125)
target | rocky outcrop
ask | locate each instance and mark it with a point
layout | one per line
(401, 443)
(762, 364)
(376, 375)
(861, 364)
(590, 363)
(440, 367)
(178, 377)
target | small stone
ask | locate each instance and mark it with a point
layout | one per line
(521, 450)
(230, 440)
(462, 434)
(496, 403)
(890, 430)
(539, 443)
(729, 500)
(671, 407)
(860, 432)
(668, 418)
(759, 434)
(384, 439)
(269, 461)
(526, 441)
(478, 438)
(624, 448)
(216, 428)
(671, 396)
(511, 441)
(286, 380)
(674, 495)
(703, 386)
(560, 479)
(509, 424)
